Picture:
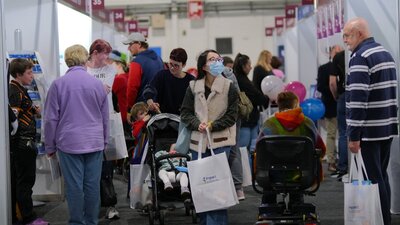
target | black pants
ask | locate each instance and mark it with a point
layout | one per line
(23, 175)
(376, 156)
(108, 195)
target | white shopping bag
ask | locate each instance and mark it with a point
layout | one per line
(362, 204)
(116, 147)
(246, 167)
(211, 182)
(54, 167)
(139, 193)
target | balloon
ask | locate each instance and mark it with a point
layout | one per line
(313, 108)
(298, 89)
(272, 86)
(192, 71)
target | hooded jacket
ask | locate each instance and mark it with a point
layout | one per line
(142, 70)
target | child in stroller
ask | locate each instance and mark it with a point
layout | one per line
(173, 170)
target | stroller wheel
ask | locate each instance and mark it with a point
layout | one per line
(162, 217)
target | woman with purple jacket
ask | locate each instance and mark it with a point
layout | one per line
(76, 126)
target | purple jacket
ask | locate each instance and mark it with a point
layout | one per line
(76, 114)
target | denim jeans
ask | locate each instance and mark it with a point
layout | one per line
(82, 184)
(235, 160)
(248, 138)
(342, 127)
(331, 129)
(216, 217)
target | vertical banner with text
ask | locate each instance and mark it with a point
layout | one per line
(119, 15)
(132, 26)
(290, 14)
(279, 24)
(97, 4)
(195, 9)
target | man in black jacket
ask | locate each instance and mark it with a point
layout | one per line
(329, 101)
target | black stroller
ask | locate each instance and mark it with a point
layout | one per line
(162, 131)
(287, 165)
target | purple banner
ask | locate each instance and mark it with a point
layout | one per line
(329, 15)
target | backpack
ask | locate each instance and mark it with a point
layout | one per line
(245, 107)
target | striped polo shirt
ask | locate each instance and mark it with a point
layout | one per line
(371, 105)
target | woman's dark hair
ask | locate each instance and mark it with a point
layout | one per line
(19, 66)
(201, 61)
(275, 62)
(179, 55)
(227, 60)
(240, 61)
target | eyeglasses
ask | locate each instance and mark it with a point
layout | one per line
(213, 59)
(174, 65)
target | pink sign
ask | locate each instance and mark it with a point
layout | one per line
(323, 22)
(119, 15)
(97, 4)
(279, 21)
(195, 9)
(269, 31)
(144, 31)
(336, 13)
(132, 26)
(290, 11)
(329, 16)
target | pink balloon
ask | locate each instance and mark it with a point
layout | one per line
(298, 89)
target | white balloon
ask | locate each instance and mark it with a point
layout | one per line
(272, 86)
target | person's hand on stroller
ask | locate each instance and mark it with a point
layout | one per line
(153, 106)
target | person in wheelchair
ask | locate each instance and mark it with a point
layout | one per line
(290, 120)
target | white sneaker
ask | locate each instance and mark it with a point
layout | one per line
(345, 178)
(112, 213)
(240, 194)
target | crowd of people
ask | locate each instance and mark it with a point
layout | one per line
(99, 83)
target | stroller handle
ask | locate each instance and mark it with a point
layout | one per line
(175, 155)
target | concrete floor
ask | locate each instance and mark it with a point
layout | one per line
(328, 200)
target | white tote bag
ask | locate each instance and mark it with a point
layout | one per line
(211, 182)
(139, 193)
(116, 147)
(362, 204)
(246, 167)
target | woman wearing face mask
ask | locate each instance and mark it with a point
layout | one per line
(166, 91)
(211, 102)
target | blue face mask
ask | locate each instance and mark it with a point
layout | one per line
(216, 68)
